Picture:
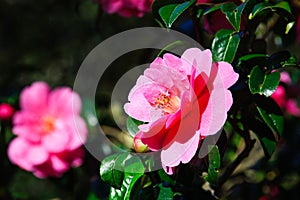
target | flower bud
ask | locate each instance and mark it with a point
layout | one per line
(139, 146)
(6, 111)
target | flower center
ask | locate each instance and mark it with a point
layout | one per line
(48, 124)
(167, 102)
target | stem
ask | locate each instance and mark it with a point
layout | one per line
(245, 153)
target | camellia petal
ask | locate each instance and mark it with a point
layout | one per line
(35, 97)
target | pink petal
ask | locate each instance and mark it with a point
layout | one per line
(34, 98)
(292, 107)
(17, 152)
(186, 127)
(174, 80)
(215, 114)
(229, 77)
(31, 133)
(56, 141)
(194, 57)
(155, 136)
(168, 170)
(77, 130)
(285, 78)
(58, 164)
(180, 152)
(37, 155)
(64, 102)
(139, 107)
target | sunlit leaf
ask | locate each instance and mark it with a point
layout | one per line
(170, 13)
(111, 169)
(271, 114)
(225, 45)
(261, 83)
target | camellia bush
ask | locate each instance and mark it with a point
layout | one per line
(220, 120)
(209, 100)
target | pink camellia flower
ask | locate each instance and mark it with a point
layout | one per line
(6, 111)
(182, 100)
(126, 8)
(49, 129)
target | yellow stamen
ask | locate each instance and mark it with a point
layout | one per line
(168, 102)
(48, 124)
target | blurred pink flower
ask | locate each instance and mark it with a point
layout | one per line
(126, 8)
(6, 111)
(286, 97)
(50, 131)
(182, 100)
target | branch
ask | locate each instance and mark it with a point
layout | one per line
(244, 154)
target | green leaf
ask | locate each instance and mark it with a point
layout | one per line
(125, 191)
(268, 145)
(111, 169)
(225, 45)
(264, 84)
(260, 128)
(214, 164)
(157, 4)
(271, 114)
(256, 79)
(132, 126)
(133, 170)
(170, 13)
(270, 83)
(249, 57)
(258, 8)
(288, 27)
(282, 9)
(133, 165)
(165, 193)
(213, 8)
(233, 15)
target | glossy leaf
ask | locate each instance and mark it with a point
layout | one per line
(170, 13)
(111, 169)
(157, 4)
(271, 114)
(233, 15)
(214, 164)
(127, 185)
(133, 170)
(132, 126)
(225, 45)
(257, 125)
(133, 165)
(268, 146)
(264, 84)
(282, 9)
(213, 8)
(258, 8)
(270, 83)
